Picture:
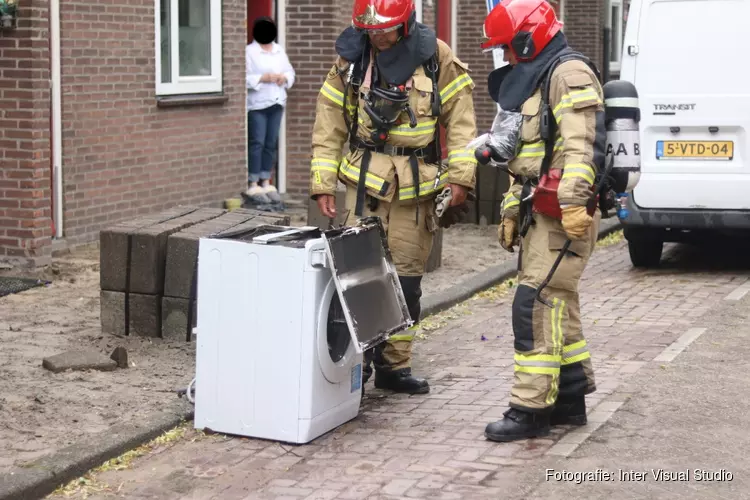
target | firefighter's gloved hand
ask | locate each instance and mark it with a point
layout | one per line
(507, 234)
(454, 215)
(576, 221)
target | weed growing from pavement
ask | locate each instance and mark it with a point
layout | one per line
(89, 484)
(439, 320)
(610, 239)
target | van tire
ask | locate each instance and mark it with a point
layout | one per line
(645, 247)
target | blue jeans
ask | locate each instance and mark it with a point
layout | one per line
(263, 137)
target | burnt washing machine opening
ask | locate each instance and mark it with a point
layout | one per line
(337, 331)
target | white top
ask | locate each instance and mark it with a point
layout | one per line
(257, 62)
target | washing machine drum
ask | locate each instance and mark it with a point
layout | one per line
(338, 337)
(336, 352)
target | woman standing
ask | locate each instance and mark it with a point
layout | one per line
(269, 75)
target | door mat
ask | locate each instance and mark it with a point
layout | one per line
(10, 285)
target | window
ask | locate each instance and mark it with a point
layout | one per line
(188, 47)
(618, 34)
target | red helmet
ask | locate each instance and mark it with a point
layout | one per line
(382, 15)
(524, 26)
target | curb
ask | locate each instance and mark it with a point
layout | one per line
(43, 476)
(438, 302)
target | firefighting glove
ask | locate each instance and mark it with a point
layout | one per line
(507, 234)
(576, 221)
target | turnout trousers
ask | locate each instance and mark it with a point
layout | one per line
(552, 359)
(410, 243)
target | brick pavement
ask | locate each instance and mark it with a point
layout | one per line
(433, 446)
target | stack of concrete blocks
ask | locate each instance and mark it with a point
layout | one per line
(492, 184)
(134, 262)
(179, 307)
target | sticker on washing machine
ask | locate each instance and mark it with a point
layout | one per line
(357, 377)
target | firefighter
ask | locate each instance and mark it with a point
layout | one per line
(552, 369)
(391, 85)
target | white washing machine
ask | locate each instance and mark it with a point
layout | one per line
(276, 356)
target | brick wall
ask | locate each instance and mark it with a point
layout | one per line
(123, 155)
(471, 15)
(583, 28)
(311, 31)
(25, 205)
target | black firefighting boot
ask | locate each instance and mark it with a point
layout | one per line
(401, 381)
(518, 424)
(569, 411)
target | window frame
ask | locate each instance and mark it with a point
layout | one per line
(186, 85)
(619, 28)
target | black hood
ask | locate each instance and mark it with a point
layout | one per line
(397, 64)
(511, 86)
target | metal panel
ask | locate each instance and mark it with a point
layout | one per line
(367, 282)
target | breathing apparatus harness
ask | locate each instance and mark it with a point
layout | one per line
(384, 106)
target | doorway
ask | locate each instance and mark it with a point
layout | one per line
(276, 9)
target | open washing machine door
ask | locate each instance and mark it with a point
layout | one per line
(334, 344)
(368, 287)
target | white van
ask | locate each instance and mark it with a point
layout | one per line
(689, 61)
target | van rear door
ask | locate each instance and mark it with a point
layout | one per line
(692, 72)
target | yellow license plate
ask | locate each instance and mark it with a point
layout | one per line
(694, 150)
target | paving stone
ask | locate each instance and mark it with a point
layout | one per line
(144, 319)
(113, 246)
(79, 360)
(432, 446)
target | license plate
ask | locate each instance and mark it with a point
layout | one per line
(694, 150)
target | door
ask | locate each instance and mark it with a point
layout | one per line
(695, 104)
(258, 8)
(367, 284)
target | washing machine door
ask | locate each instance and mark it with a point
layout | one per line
(366, 281)
(336, 351)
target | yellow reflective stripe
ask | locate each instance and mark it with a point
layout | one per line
(461, 156)
(509, 201)
(580, 170)
(324, 164)
(422, 128)
(568, 100)
(575, 352)
(425, 188)
(537, 359)
(577, 358)
(454, 87)
(574, 347)
(352, 172)
(332, 93)
(538, 370)
(402, 337)
(556, 316)
(536, 149)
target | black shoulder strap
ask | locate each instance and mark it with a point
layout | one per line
(547, 123)
(432, 69)
(357, 75)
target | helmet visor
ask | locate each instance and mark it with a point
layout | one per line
(376, 31)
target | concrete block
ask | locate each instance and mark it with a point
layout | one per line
(182, 247)
(78, 360)
(489, 212)
(149, 250)
(144, 318)
(315, 218)
(113, 246)
(174, 318)
(435, 260)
